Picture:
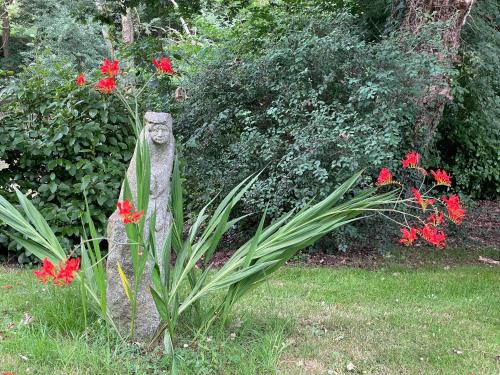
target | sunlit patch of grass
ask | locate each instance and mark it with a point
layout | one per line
(391, 320)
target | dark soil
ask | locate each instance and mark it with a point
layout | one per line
(483, 224)
(479, 235)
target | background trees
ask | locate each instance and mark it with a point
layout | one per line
(312, 89)
(4, 9)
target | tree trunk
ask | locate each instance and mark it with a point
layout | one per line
(128, 27)
(183, 21)
(454, 13)
(5, 30)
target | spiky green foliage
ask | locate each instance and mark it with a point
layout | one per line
(179, 287)
(254, 262)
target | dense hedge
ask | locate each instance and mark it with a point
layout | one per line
(60, 141)
(312, 107)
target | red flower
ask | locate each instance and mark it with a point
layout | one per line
(80, 80)
(455, 210)
(441, 177)
(67, 272)
(435, 219)
(47, 272)
(409, 236)
(128, 213)
(417, 195)
(164, 65)
(412, 159)
(433, 236)
(110, 69)
(106, 85)
(384, 177)
(423, 202)
(124, 207)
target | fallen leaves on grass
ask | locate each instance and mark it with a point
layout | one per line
(311, 366)
(489, 261)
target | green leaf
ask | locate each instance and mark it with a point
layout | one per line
(160, 305)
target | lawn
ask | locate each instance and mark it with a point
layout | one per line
(395, 319)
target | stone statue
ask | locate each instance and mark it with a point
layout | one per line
(157, 133)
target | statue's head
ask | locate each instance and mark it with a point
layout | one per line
(159, 126)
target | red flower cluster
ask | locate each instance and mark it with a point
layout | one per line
(80, 80)
(164, 65)
(68, 272)
(128, 213)
(441, 177)
(384, 177)
(106, 85)
(429, 228)
(62, 275)
(412, 160)
(454, 207)
(110, 69)
(429, 233)
(433, 236)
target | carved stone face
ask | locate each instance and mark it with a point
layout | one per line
(159, 132)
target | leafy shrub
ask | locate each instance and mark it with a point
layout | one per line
(312, 106)
(61, 141)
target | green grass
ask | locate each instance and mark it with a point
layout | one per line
(393, 320)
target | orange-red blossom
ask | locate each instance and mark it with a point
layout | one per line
(128, 213)
(441, 177)
(62, 275)
(384, 177)
(164, 65)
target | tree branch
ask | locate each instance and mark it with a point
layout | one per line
(183, 22)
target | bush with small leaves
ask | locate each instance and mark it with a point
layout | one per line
(312, 106)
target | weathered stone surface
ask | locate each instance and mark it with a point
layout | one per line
(158, 134)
